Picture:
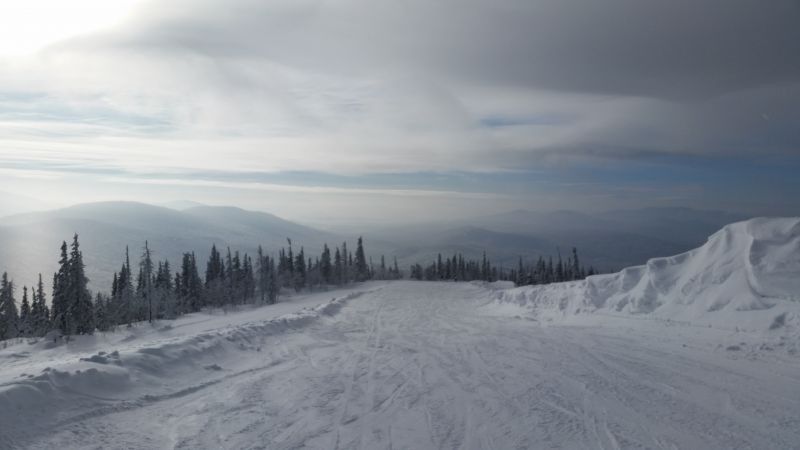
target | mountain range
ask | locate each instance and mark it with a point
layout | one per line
(29, 242)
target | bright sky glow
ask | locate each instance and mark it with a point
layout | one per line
(29, 25)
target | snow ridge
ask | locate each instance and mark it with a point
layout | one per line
(747, 275)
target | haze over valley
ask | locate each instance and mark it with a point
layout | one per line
(607, 241)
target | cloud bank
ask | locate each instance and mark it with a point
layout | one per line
(358, 87)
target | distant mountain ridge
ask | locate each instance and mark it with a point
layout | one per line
(608, 240)
(29, 243)
(14, 203)
(181, 205)
(684, 226)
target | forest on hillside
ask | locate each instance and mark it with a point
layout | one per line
(152, 290)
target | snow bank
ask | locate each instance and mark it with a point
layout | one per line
(48, 388)
(746, 276)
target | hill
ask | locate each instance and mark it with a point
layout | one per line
(29, 243)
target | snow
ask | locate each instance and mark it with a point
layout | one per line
(626, 360)
(41, 381)
(746, 277)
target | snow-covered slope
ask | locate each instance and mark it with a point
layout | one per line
(413, 365)
(747, 275)
(43, 383)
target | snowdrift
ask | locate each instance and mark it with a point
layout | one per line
(746, 276)
(136, 370)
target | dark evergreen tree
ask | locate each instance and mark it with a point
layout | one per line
(576, 267)
(382, 272)
(300, 270)
(290, 266)
(215, 285)
(266, 277)
(123, 308)
(39, 310)
(345, 264)
(25, 317)
(144, 286)
(312, 273)
(286, 267)
(79, 300)
(326, 269)
(213, 267)
(273, 288)
(9, 318)
(559, 277)
(101, 319)
(231, 278)
(338, 269)
(164, 297)
(59, 311)
(248, 280)
(188, 285)
(362, 271)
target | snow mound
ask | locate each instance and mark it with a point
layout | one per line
(747, 275)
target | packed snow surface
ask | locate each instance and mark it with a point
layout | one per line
(599, 364)
(401, 365)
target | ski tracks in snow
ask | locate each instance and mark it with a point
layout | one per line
(420, 365)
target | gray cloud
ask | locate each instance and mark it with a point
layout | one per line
(364, 86)
(681, 49)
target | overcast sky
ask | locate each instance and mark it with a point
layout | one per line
(346, 109)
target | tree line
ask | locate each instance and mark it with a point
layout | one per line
(543, 271)
(151, 290)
